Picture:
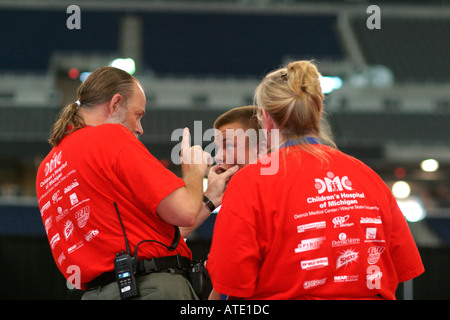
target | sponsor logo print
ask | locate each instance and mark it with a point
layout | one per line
(48, 224)
(61, 213)
(344, 241)
(73, 199)
(75, 247)
(314, 264)
(71, 186)
(371, 235)
(341, 221)
(374, 254)
(56, 197)
(54, 240)
(370, 220)
(311, 226)
(61, 258)
(68, 229)
(347, 257)
(45, 207)
(313, 283)
(91, 235)
(309, 244)
(82, 216)
(346, 278)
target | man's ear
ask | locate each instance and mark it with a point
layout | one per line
(116, 100)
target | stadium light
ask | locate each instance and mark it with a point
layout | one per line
(329, 84)
(429, 165)
(127, 65)
(412, 209)
(401, 190)
(84, 75)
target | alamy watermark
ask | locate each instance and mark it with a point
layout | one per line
(241, 140)
(374, 20)
(74, 20)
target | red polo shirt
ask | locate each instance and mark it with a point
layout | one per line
(312, 230)
(77, 184)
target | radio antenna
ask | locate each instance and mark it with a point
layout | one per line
(123, 228)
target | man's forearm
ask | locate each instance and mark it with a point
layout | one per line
(202, 216)
(194, 188)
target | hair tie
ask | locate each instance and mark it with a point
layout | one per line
(78, 103)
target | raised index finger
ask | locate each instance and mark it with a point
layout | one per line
(185, 142)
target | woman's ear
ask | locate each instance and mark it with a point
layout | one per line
(267, 121)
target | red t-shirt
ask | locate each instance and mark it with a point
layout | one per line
(77, 184)
(311, 231)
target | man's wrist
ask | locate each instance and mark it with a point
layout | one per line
(208, 203)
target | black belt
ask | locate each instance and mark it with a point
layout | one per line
(179, 264)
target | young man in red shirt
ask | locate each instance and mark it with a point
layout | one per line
(97, 164)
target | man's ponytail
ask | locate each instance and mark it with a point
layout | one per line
(69, 120)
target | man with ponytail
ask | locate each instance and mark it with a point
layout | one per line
(98, 163)
(323, 226)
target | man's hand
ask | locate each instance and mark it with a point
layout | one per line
(182, 207)
(217, 182)
(193, 158)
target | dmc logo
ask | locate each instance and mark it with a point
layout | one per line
(53, 163)
(332, 183)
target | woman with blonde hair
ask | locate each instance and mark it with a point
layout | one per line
(323, 226)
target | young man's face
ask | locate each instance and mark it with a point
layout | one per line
(235, 146)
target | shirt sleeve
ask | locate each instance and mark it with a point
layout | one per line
(235, 257)
(144, 175)
(403, 250)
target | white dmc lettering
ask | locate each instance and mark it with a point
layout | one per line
(53, 163)
(332, 183)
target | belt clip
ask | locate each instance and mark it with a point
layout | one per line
(178, 261)
(150, 266)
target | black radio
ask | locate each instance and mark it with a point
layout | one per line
(125, 268)
(125, 265)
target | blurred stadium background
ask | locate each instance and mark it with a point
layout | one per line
(388, 100)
